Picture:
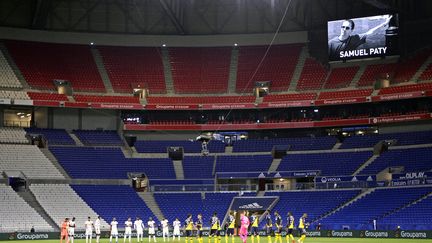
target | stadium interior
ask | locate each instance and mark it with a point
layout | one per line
(148, 118)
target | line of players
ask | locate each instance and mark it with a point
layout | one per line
(68, 228)
(67, 231)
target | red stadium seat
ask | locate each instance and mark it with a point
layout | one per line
(313, 75)
(277, 67)
(200, 69)
(345, 94)
(340, 77)
(128, 65)
(106, 99)
(41, 63)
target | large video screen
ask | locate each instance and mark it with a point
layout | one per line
(373, 36)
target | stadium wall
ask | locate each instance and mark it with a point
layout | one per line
(88, 119)
(164, 135)
(403, 234)
(151, 40)
(1, 116)
(106, 119)
(395, 128)
(66, 118)
(41, 117)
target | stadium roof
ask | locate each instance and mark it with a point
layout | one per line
(197, 17)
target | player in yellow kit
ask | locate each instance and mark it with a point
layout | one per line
(269, 226)
(230, 226)
(189, 225)
(290, 228)
(303, 224)
(199, 226)
(254, 230)
(278, 229)
(214, 228)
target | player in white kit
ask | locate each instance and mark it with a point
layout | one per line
(89, 230)
(128, 230)
(71, 230)
(176, 231)
(97, 225)
(165, 229)
(139, 227)
(151, 230)
(114, 230)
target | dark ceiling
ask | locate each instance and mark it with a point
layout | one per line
(198, 17)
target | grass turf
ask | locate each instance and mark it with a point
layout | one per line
(263, 240)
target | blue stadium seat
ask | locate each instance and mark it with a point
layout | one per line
(198, 167)
(336, 163)
(111, 201)
(194, 203)
(236, 163)
(314, 203)
(407, 138)
(92, 137)
(109, 163)
(417, 216)
(54, 136)
(266, 145)
(160, 146)
(413, 160)
(360, 214)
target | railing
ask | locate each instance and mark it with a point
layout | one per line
(182, 188)
(204, 188)
(327, 185)
(12, 123)
(236, 187)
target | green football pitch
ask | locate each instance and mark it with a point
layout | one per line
(308, 240)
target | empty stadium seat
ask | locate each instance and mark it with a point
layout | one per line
(194, 203)
(13, 135)
(161, 146)
(413, 160)
(370, 140)
(60, 200)
(106, 99)
(109, 163)
(198, 167)
(375, 72)
(277, 67)
(28, 159)
(200, 99)
(360, 214)
(92, 137)
(416, 216)
(200, 69)
(266, 145)
(47, 96)
(41, 63)
(17, 215)
(18, 95)
(312, 76)
(235, 163)
(128, 67)
(426, 74)
(314, 203)
(340, 77)
(114, 201)
(406, 88)
(407, 68)
(289, 97)
(345, 94)
(54, 136)
(332, 163)
(8, 79)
